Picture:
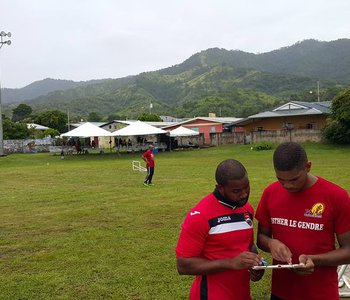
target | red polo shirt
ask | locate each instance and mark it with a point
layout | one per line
(150, 158)
(214, 231)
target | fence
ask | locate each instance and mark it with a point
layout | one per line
(225, 138)
(28, 145)
(216, 139)
(272, 136)
(280, 136)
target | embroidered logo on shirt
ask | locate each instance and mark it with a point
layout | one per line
(315, 211)
(248, 219)
(194, 213)
(224, 219)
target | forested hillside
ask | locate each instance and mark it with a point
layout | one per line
(309, 58)
(42, 87)
(228, 83)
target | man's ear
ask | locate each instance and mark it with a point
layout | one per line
(308, 166)
(220, 188)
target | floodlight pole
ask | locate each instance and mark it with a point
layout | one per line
(3, 34)
(1, 130)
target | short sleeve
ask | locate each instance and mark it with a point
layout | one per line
(262, 212)
(342, 212)
(194, 232)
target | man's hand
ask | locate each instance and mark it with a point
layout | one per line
(309, 265)
(280, 251)
(244, 260)
(201, 266)
(256, 275)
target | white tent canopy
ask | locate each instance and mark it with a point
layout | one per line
(183, 131)
(87, 130)
(138, 128)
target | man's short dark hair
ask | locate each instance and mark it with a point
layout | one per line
(289, 156)
(229, 169)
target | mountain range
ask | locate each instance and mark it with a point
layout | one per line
(226, 82)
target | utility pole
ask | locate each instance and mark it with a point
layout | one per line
(318, 91)
(68, 122)
(3, 34)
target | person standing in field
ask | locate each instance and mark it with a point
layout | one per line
(299, 217)
(148, 157)
(216, 242)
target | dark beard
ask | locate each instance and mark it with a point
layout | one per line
(240, 203)
(223, 199)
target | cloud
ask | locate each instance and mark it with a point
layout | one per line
(93, 39)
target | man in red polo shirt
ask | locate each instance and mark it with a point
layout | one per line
(299, 216)
(148, 157)
(216, 241)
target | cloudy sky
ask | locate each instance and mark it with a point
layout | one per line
(93, 39)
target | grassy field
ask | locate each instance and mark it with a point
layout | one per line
(86, 228)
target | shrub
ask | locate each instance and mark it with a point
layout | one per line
(337, 130)
(262, 146)
(337, 133)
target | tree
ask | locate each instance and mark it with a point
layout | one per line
(338, 129)
(54, 119)
(94, 117)
(14, 131)
(51, 132)
(113, 117)
(149, 117)
(21, 112)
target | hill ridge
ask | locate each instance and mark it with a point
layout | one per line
(216, 73)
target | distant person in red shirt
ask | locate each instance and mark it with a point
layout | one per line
(148, 157)
(299, 217)
(216, 242)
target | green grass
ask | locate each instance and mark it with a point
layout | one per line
(86, 228)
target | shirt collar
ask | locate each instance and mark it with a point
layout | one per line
(223, 200)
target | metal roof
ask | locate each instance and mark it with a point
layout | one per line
(286, 113)
(292, 108)
(322, 107)
(37, 126)
(223, 120)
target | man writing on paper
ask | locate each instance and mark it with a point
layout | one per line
(299, 216)
(216, 241)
